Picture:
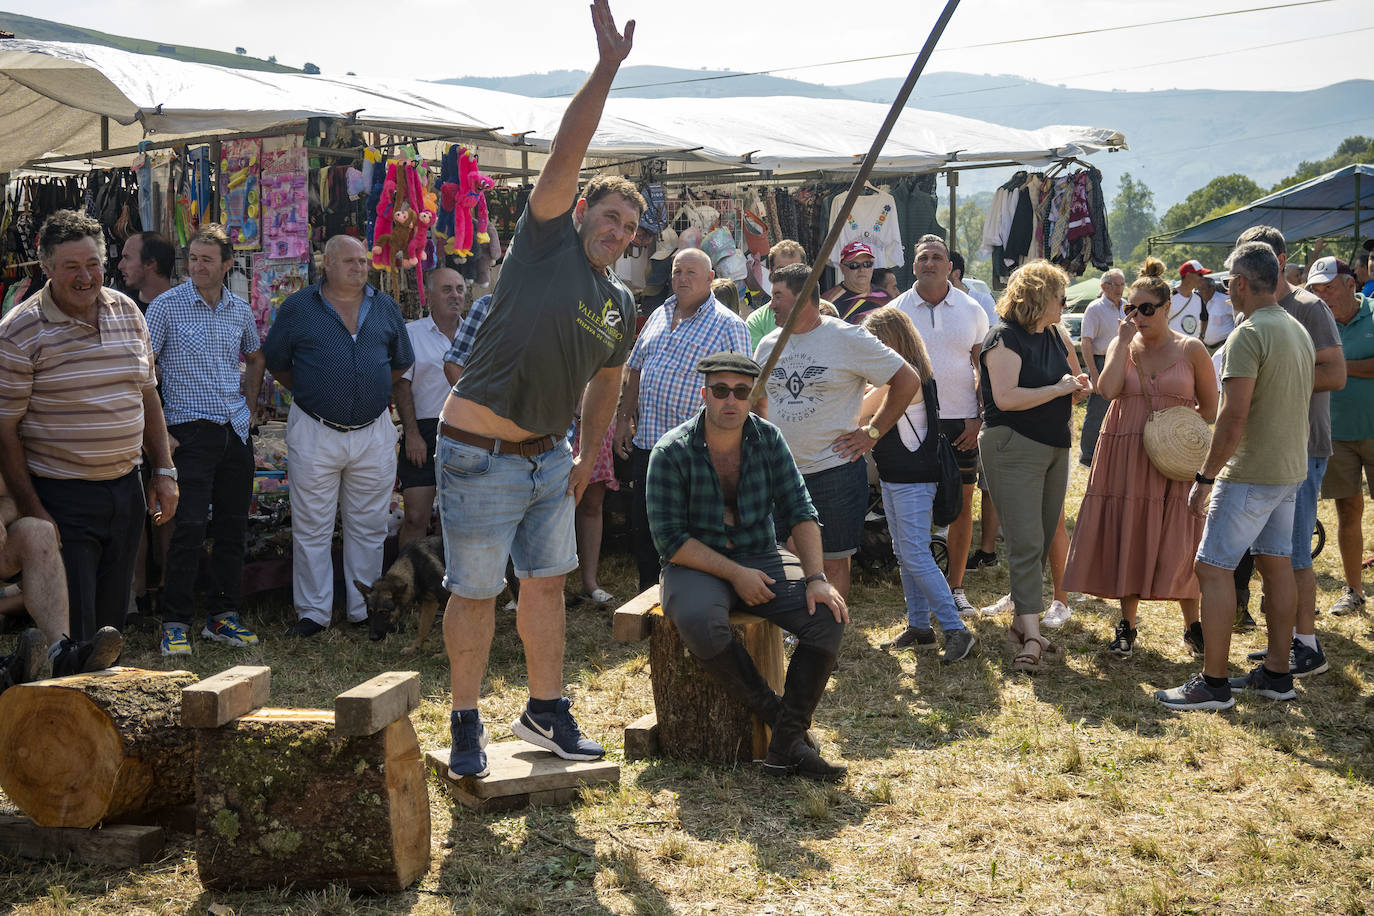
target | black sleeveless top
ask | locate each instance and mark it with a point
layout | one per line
(1044, 361)
(898, 464)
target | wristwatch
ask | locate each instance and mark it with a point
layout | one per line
(816, 577)
(1204, 480)
(165, 472)
(871, 431)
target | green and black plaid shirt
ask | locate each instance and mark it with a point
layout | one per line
(684, 498)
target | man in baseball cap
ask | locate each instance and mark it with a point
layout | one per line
(1187, 312)
(856, 295)
(1326, 269)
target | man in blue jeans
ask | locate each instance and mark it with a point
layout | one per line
(560, 322)
(715, 487)
(1259, 452)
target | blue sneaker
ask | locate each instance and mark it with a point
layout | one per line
(466, 757)
(175, 641)
(229, 631)
(557, 731)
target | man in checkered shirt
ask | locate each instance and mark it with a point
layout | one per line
(198, 331)
(661, 388)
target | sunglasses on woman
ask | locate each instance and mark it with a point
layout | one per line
(721, 392)
(1146, 308)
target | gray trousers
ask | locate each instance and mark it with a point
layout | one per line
(1027, 481)
(1092, 420)
(699, 605)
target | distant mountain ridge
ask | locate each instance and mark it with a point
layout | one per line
(1178, 137)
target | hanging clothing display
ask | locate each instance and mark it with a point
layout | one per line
(873, 221)
(1060, 218)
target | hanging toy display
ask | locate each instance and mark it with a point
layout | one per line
(471, 203)
(239, 162)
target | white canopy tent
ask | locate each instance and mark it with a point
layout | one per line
(63, 102)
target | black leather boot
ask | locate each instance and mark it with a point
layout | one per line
(734, 669)
(789, 753)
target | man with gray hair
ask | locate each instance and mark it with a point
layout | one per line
(1101, 320)
(339, 346)
(1328, 376)
(1259, 452)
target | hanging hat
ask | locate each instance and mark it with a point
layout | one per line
(667, 244)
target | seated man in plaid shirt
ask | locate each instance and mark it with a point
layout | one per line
(714, 486)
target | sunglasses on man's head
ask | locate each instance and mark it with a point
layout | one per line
(858, 265)
(1146, 308)
(721, 392)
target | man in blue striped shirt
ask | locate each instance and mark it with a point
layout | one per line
(198, 331)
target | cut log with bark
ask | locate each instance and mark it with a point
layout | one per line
(282, 798)
(697, 718)
(76, 751)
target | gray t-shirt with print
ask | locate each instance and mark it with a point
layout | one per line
(817, 388)
(554, 323)
(1313, 315)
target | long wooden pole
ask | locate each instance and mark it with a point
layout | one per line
(866, 169)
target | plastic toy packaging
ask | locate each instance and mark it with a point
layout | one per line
(240, 162)
(285, 199)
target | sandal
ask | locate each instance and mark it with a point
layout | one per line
(599, 596)
(1016, 640)
(1028, 661)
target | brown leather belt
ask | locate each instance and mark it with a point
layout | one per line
(526, 449)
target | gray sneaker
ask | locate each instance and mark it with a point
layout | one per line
(1196, 694)
(912, 638)
(958, 645)
(1261, 683)
(1348, 603)
(27, 662)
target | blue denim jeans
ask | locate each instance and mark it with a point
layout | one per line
(908, 508)
(1253, 516)
(493, 506)
(1305, 512)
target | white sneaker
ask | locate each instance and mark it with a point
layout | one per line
(961, 603)
(1003, 605)
(1057, 615)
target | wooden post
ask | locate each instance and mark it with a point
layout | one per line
(76, 751)
(225, 696)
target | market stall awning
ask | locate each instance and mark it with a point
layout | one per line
(1327, 206)
(53, 96)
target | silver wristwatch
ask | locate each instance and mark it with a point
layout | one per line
(165, 472)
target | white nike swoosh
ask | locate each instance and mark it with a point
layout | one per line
(546, 732)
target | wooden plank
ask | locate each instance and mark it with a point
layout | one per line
(375, 704)
(641, 737)
(120, 846)
(631, 621)
(521, 775)
(225, 696)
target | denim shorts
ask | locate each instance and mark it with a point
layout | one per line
(1305, 512)
(840, 495)
(492, 506)
(1253, 516)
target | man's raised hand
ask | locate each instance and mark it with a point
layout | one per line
(612, 46)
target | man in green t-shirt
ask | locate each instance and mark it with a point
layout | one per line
(1259, 454)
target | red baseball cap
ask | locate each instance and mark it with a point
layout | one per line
(1192, 267)
(853, 250)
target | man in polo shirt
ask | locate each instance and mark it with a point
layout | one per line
(560, 328)
(1352, 419)
(815, 393)
(952, 325)
(1100, 322)
(719, 486)
(78, 406)
(339, 346)
(1328, 375)
(198, 345)
(420, 397)
(145, 263)
(661, 388)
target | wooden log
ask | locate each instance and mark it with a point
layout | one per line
(697, 718)
(521, 775)
(225, 696)
(375, 704)
(119, 846)
(632, 620)
(282, 798)
(75, 751)
(641, 737)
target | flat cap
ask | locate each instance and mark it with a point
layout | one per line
(725, 361)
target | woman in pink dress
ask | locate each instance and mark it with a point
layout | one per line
(1135, 538)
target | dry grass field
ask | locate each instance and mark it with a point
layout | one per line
(971, 789)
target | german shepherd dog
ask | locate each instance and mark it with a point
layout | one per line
(417, 577)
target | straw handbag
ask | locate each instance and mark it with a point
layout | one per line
(1176, 438)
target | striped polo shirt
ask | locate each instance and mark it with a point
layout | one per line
(76, 390)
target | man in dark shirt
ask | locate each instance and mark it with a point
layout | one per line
(145, 263)
(560, 322)
(339, 346)
(714, 485)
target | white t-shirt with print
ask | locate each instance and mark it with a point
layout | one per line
(817, 388)
(1185, 314)
(950, 329)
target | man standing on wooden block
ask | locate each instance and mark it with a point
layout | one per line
(198, 330)
(716, 485)
(78, 408)
(560, 322)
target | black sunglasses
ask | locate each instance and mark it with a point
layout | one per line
(858, 265)
(721, 391)
(1146, 308)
